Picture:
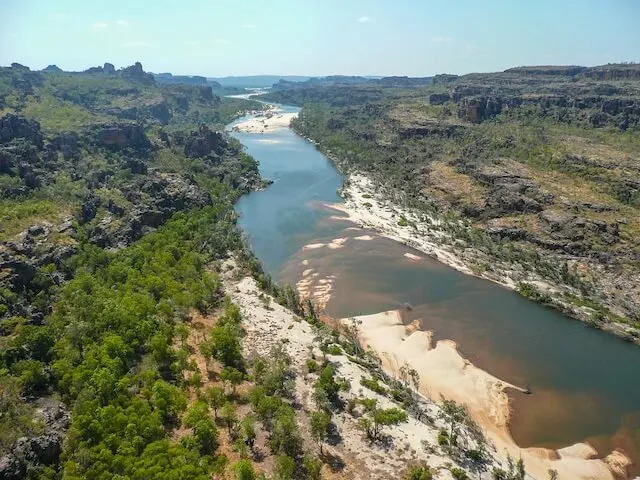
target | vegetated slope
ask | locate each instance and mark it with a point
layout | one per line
(535, 172)
(92, 165)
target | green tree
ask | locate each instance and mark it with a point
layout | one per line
(285, 467)
(458, 473)
(249, 430)
(168, 399)
(453, 414)
(229, 416)
(312, 468)
(377, 418)
(244, 470)
(216, 398)
(231, 376)
(285, 436)
(224, 345)
(320, 422)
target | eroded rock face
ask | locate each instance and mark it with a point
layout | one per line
(109, 68)
(166, 194)
(42, 450)
(123, 135)
(136, 73)
(159, 111)
(14, 126)
(475, 110)
(439, 98)
(93, 70)
(67, 143)
(204, 142)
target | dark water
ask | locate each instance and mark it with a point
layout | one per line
(586, 383)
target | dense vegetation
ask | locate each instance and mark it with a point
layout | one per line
(116, 201)
(533, 170)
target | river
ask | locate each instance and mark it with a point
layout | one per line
(586, 384)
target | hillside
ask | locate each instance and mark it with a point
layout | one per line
(140, 338)
(116, 194)
(530, 176)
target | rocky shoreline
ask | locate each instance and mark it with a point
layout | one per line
(368, 205)
(376, 207)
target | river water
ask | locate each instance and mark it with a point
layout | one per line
(586, 383)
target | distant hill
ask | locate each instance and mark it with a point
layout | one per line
(256, 81)
(183, 79)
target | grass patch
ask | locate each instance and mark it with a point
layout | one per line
(17, 215)
(59, 116)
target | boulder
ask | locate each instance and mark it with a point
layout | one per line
(109, 68)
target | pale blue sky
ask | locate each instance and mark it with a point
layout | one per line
(309, 37)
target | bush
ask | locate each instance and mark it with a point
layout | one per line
(312, 365)
(244, 470)
(443, 438)
(459, 474)
(285, 468)
(334, 350)
(373, 384)
(418, 472)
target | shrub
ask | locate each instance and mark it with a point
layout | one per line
(334, 350)
(312, 365)
(459, 474)
(373, 384)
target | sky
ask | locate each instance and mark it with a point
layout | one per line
(318, 37)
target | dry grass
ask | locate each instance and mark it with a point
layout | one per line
(452, 186)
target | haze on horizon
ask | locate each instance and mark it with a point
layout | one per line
(290, 37)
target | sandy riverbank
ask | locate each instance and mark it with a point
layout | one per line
(271, 120)
(443, 371)
(365, 207)
(266, 324)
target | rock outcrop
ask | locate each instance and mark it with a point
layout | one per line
(204, 142)
(14, 126)
(137, 74)
(121, 135)
(38, 450)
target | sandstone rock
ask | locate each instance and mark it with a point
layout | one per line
(108, 68)
(67, 143)
(439, 98)
(14, 126)
(159, 111)
(89, 208)
(475, 110)
(123, 135)
(204, 142)
(137, 74)
(52, 69)
(136, 165)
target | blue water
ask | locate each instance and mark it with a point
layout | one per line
(586, 383)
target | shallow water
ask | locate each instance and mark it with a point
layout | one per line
(586, 383)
